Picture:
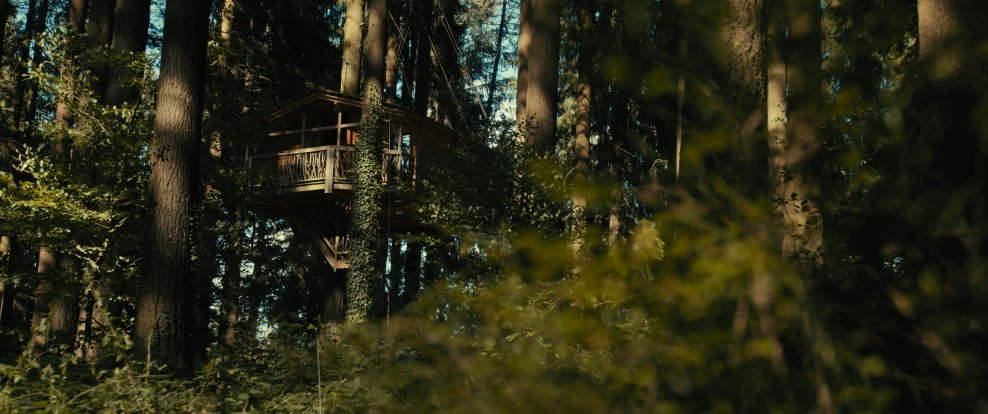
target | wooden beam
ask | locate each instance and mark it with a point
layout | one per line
(325, 128)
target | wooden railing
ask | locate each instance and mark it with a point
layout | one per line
(308, 166)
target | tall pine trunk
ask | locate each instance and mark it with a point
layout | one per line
(131, 20)
(802, 223)
(744, 85)
(582, 143)
(23, 54)
(364, 280)
(524, 45)
(352, 35)
(163, 308)
(100, 34)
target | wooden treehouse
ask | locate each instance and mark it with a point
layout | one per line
(302, 166)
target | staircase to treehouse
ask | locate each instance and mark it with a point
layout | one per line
(302, 165)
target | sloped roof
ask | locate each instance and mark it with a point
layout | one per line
(352, 101)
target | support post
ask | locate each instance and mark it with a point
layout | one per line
(330, 168)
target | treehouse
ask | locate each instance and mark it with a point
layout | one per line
(302, 166)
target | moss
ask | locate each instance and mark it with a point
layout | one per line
(364, 278)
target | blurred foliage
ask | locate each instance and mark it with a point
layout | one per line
(692, 308)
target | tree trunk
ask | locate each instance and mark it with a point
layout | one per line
(775, 95)
(744, 37)
(61, 311)
(524, 42)
(63, 117)
(38, 58)
(413, 273)
(582, 144)
(226, 31)
(230, 297)
(352, 30)
(397, 263)
(24, 53)
(411, 47)
(130, 35)
(804, 84)
(6, 292)
(100, 34)
(947, 123)
(163, 308)
(5, 16)
(423, 66)
(543, 86)
(364, 280)
(492, 85)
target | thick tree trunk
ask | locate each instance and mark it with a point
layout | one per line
(492, 85)
(804, 83)
(423, 64)
(582, 143)
(744, 37)
(524, 45)
(100, 34)
(543, 86)
(163, 308)
(60, 310)
(37, 59)
(775, 95)
(352, 36)
(131, 19)
(364, 280)
(946, 118)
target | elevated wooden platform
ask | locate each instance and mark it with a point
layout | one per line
(302, 166)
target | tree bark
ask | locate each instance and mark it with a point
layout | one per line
(492, 85)
(131, 19)
(5, 16)
(352, 30)
(364, 280)
(744, 37)
(163, 308)
(543, 86)
(21, 68)
(423, 64)
(230, 296)
(100, 34)
(61, 311)
(413, 273)
(6, 292)
(803, 225)
(395, 274)
(582, 143)
(524, 42)
(38, 58)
